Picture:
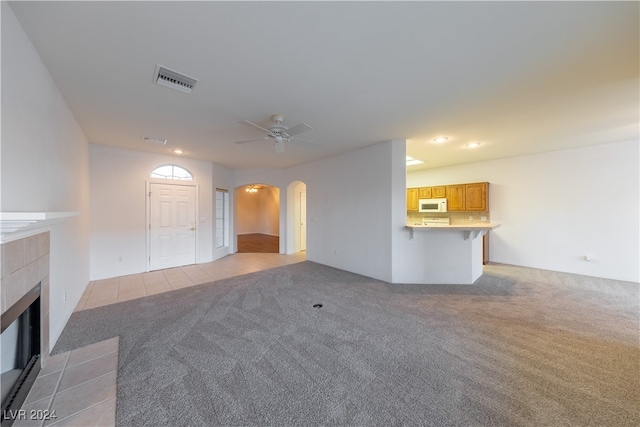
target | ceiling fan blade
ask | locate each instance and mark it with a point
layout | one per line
(306, 143)
(302, 127)
(249, 140)
(248, 123)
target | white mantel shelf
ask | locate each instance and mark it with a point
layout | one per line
(471, 231)
(14, 225)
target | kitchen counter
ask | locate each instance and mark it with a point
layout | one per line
(472, 230)
(445, 254)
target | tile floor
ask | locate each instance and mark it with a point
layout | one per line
(76, 388)
(80, 386)
(118, 289)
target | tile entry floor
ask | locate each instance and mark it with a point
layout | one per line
(124, 288)
(80, 386)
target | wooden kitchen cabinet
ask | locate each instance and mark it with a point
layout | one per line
(473, 197)
(424, 192)
(412, 199)
(455, 197)
(439, 192)
(476, 196)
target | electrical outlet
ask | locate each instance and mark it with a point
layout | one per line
(64, 296)
(119, 259)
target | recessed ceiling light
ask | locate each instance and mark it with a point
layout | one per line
(440, 139)
(411, 161)
(472, 145)
(178, 151)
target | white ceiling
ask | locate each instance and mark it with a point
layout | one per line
(519, 77)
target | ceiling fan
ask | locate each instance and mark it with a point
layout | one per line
(280, 134)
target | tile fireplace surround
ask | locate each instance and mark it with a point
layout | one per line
(79, 386)
(25, 263)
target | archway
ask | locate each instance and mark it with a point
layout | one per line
(258, 218)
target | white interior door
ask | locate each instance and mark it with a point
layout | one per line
(172, 225)
(303, 220)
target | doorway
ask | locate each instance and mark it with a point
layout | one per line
(258, 218)
(303, 220)
(296, 219)
(172, 225)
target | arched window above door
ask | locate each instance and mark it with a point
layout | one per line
(172, 172)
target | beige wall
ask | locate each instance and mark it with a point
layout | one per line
(558, 207)
(118, 208)
(258, 212)
(45, 165)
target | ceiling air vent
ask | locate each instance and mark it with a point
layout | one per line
(174, 80)
(156, 141)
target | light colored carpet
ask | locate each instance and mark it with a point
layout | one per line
(522, 347)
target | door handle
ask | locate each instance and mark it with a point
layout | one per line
(193, 229)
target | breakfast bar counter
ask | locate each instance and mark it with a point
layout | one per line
(471, 230)
(445, 254)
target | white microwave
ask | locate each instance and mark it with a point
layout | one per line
(432, 205)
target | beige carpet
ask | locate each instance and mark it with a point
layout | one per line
(522, 347)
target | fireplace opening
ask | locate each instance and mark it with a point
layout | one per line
(20, 346)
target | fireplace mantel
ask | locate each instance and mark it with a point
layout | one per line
(15, 225)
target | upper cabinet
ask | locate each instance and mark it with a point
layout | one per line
(439, 192)
(476, 196)
(455, 197)
(468, 197)
(432, 192)
(460, 197)
(425, 192)
(412, 199)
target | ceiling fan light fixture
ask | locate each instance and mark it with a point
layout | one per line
(251, 189)
(280, 133)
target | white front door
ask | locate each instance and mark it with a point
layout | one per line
(172, 225)
(303, 220)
